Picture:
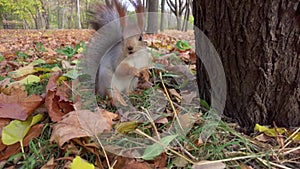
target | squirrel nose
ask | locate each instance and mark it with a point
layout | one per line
(130, 48)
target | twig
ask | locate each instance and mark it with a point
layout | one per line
(169, 98)
(104, 152)
(152, 122)
(292, 135)
(289, 140)
(185, 151)
(274, 164)
(294, 149)
(227, 159)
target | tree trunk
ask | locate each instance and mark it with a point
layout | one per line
(59, 16)
(162, 17)
(258, 43)
(152, 26)
(78, 14)
(186, 16)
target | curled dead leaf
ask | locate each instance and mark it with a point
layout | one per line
(81, 123)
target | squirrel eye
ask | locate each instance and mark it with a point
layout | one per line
(141, 38)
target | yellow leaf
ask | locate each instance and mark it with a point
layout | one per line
(79, 163)
(297, 137)
(30, 79)
(55, 69)
(22, 71)
(126, 127)
(269, 131)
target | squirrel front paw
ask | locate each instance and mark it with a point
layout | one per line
(125, 69)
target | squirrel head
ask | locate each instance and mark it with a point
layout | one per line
(133, 44)
(132, 39)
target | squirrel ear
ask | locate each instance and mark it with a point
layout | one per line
(121, 8)
(139, 10)
(141, 37)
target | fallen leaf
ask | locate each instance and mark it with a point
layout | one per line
(18, 106)
(180, 162)
(4, 83)
(3, 123)
(126, 127)
(131, 163)
(50, 164)
(156, 149)
(81, 123)
(269, 131)
(79, 163)
(34, 132)
(209, 165)
(22, 71)
(29, 80)
(55, 102)
(244, 166)
(174, 93)
(262, 138)
(16, 130)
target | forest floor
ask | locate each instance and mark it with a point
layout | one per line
(42, 125)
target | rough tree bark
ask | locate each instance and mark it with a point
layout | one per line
(258, 43)
(152, 26)
(186, 16)
(162, 17)
(78, 14)
(59, 15)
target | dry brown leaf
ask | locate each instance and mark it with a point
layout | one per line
(262, 138)
(180, 162)
(56, 100)
(188, 96)
(181, 70)
(18, 106)
(4, 83)
(187, 121)
(161, 120)
(161, 161)
(93, 148)
(131, 163)
(213, 165)
(14, 88)
(50, 164)
(81, 123)
(174, 93)
(66, 64)
(244, 166)
(193, 57)
(3, 123)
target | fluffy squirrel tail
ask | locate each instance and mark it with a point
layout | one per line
(106, 21)
(102, 15)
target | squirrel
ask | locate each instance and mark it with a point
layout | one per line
(117, 50)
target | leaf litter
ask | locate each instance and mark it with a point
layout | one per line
(36, 70)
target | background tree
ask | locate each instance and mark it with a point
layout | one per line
(78, 14)
(152, 25)
(59, 14)
(258, 43)
(162, 17)
(177, 7)
(186, 16)
(45, 13)
(28, 11)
